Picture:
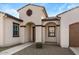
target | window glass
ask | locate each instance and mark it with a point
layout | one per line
(51, 31)
(15, 30)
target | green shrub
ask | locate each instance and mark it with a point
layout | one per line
(38, 45)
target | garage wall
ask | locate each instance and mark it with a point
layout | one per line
(1, 30)
(67, 19)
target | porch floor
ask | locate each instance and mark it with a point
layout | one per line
(48, 49)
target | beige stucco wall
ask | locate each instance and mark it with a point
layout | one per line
(22, 35)
(38, 34)
(43, 34)
(8, 32)
(67, 19)
(37, 15)
(58, 34)
(1, 30)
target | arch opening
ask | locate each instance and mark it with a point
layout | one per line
(50, 32)
(30, 32)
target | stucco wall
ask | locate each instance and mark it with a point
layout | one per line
(8, 29)
(1, 30)
(67, 19)
(37, 14)
(38, 34)
(58, 34)
(36, 17)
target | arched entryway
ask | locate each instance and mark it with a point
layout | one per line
(50, 32)
(30, 32)
(74, 35)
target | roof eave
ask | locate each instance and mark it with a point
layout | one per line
(66, 11)
(27, 5)
(37, 6)
(52, 19)
(17, 19)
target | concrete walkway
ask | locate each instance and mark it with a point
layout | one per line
(75, 50)
(48, 49)
(15, 49)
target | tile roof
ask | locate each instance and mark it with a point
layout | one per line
(51, 19)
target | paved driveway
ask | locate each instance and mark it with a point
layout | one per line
(46, 50)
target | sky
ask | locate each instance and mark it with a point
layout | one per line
(52, 8)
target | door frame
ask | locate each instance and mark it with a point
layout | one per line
(33, 34)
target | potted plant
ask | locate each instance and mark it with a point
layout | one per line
(39, 45)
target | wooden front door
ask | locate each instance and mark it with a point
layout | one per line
(74, 35)
(33, 34)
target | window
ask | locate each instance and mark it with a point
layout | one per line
(15, 30)
(51, 31)
(29, 12)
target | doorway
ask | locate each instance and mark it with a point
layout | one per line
(33, 34)
(30, 32)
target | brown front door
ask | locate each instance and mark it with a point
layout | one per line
(74, 35)
(33, 34)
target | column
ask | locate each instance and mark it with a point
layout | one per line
(43, 34)
(58, 35)
(22, 34)
(64, 36)
(38, 34)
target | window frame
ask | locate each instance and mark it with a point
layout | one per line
(15, 30)
(29, 12)
(53, 32)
